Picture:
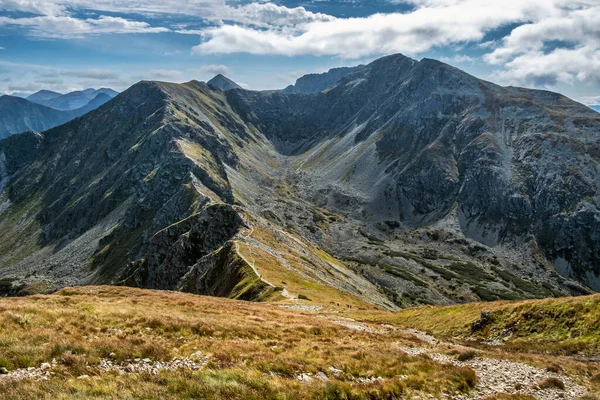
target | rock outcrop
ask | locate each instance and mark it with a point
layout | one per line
(315, 83)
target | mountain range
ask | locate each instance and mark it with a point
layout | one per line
(37, 113)
(406, 182)
(69, 101)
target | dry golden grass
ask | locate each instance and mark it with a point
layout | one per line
(256, 351)
(546, 333)
(301, 280)
(564, 326)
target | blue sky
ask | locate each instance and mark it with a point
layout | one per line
(67, 45)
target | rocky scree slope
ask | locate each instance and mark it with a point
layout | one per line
(425, 184)
(422, 143)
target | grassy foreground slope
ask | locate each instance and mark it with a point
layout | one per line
(117, 342)
(567, 326)
(253, 351)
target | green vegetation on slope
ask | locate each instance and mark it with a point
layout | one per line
(566, 325)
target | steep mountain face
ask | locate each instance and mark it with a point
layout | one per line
(70, 101)
(20, 115)
(99, 100)
(407, 183)
(222, 82)
(315, 83)
(514, 165)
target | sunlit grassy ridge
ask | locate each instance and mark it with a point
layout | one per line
(563, 325)
(256, 351)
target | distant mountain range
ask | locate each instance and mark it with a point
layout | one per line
(35, 112)
(406, 182)
(69, 101)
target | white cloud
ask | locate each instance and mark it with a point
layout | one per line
(458, 59)
(546, 70)
(50, 26)
(215, 69)
(590, 100)
(60, 7)
(564, 48)
(431, 24)
(40, 7)
(269, 14)
(54, 18)
(558, 41)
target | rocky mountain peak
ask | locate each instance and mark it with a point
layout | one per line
(222, 82)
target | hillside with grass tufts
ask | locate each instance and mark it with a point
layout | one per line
(107, 342)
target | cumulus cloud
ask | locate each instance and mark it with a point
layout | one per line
(40, 7)
(564, 48)
(269, 14)
(215, 69)
(53, 19)
(432, 23)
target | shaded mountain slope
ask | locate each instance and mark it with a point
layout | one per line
(20, 115)
(413, 141)
(407, 183)
(102, 196)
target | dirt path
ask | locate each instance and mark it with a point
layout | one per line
(494, 376)
(252, 263)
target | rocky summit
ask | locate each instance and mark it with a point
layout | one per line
(407, 182)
